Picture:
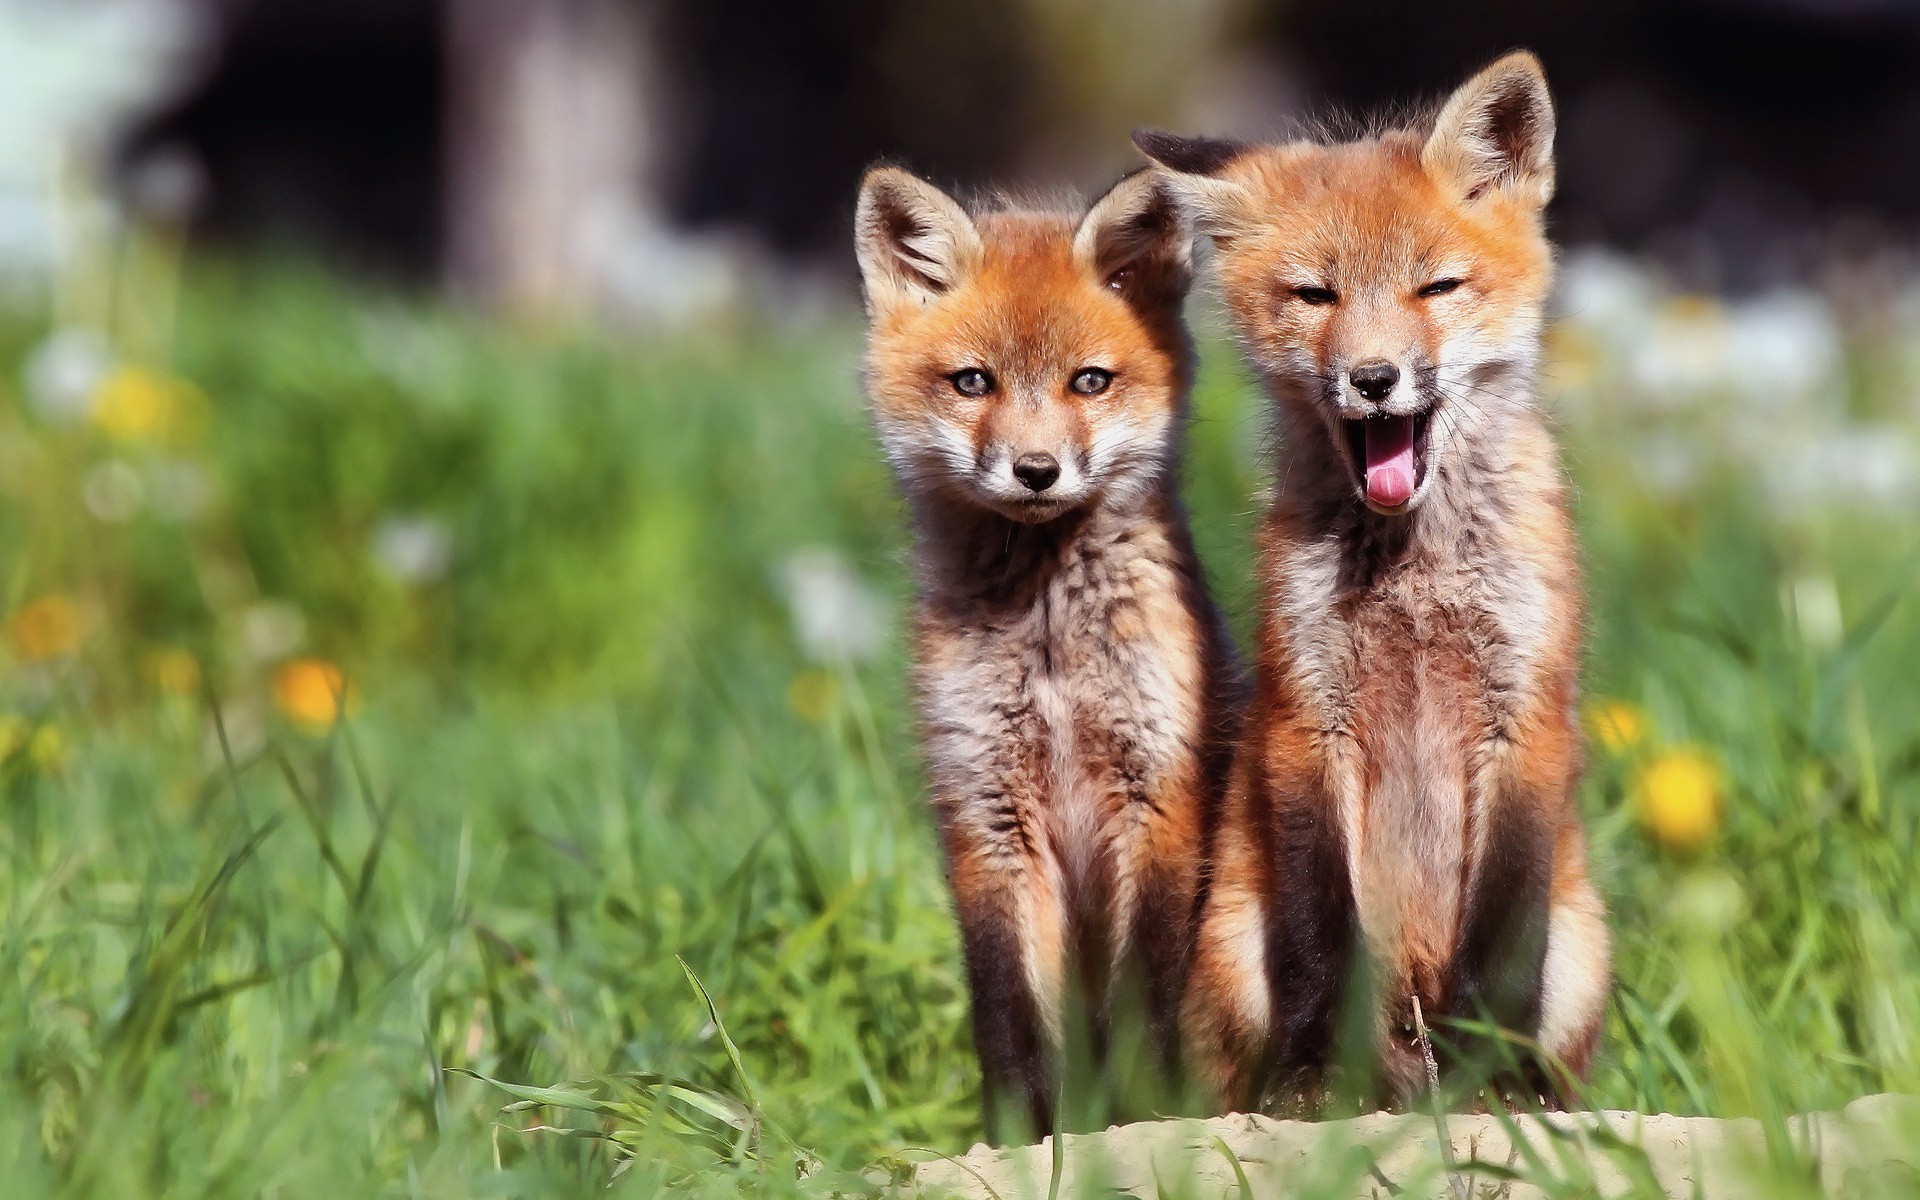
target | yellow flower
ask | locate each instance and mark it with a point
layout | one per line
(44, 746)
(173, 670)
(1693, 306)
(811, 694)
(1680, 799)
(134, 404)
(1618, 725)
(48, 749)
(311, 692)
(45, 628)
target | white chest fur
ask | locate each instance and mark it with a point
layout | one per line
(1415, 677)
(1052, 721)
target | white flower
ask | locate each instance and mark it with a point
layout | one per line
(1711, 902)
(412, 549)
(410, 351)
(836, 614)
(271, 629)
(1782, 347)
(1682, 355)
(63, 371)
(1812, 603)
(244, 722)
(1607, 293)
(1868, 466)
(1779, 350)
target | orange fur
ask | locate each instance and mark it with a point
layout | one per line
(1074, 680)
(1403, 792)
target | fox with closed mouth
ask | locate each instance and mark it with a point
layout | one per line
(1028, 371)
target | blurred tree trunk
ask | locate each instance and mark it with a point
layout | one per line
(549, 149)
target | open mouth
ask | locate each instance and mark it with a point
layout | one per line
(1390, 454)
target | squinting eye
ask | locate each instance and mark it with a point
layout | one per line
(1316, 295)
(971, 382)
(1439, 287)
(1092, 381)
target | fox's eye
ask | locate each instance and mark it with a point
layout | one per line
(971, 382)
(1439, 287)
(1119, 280)
(1316, 295)
(1092, 381)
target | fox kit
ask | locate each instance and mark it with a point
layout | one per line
(1028, 373)
(1400, 811)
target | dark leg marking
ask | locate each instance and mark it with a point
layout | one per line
(1499, 967)
(1312, 930)
(1014, 1056)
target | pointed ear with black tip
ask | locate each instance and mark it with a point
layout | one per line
(913, 241)
(1197, 169)
(1496, 133)
(1137, 240)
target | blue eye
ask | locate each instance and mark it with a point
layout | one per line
(1092, 381)
(971, 382)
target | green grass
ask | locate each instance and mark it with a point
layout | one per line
(589, 772)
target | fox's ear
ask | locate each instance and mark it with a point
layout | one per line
(1137, 240)
(1496, 131)
(913, 241)
(1196, 169)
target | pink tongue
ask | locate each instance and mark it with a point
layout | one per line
(1390, 460)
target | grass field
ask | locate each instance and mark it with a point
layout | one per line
(625, 801)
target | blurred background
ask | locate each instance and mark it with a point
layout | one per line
(651, 156)
(453, 604)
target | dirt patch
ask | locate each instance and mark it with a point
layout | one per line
(1870, 1148)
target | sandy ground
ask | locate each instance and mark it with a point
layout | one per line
(1871, 1148)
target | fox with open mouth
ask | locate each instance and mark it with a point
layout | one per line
(1400, 815)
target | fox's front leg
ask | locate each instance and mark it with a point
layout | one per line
(1498, 970)
(1313, 930)
(1578, 972)
(1164, 928)
(1277, 936)
(1226, 1012)
(1149, 874)
(1012, 930)
(1230, 1014)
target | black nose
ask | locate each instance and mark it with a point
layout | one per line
(1374, 378)
(1037, 471)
